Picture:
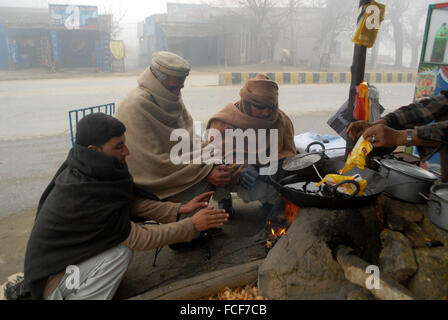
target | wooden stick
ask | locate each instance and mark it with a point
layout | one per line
(355, 271)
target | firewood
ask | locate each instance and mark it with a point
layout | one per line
(249, 292)
(205, 285)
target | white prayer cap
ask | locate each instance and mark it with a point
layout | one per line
(171, 64)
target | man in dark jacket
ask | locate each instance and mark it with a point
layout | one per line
(423, 124)
(82, 240)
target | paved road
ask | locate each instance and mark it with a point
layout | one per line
(33, 124)
(35, 108)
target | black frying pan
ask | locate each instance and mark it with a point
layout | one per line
(376, 184)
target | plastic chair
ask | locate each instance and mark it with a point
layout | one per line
(75, 115)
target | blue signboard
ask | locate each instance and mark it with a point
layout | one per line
(4, 52)
(55, 45)
(72, 17)
(12, 47)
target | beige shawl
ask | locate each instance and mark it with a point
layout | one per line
(150, 113)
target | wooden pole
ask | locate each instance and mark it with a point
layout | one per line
(357, 69)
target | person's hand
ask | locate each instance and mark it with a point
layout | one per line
(209, 218)
(383, 136)
(220, 175)
(198, 202)
(357, 128)
(248, 177)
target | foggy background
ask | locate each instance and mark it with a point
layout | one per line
(398, 44)
(126, 13)
(245, 36)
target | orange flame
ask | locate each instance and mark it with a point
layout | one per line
(279, 232)
(291, 211)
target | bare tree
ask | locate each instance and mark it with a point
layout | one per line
(118, 14)
(256, 13)
(262, 26)
(414, 28)
(395, 14)
(293, 7)
(339, 16)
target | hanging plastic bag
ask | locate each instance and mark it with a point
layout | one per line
(357, 157)
(376, 109)
(367, 29)
(362, 102)
(347, 188)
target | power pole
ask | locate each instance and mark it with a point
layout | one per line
(357, 69)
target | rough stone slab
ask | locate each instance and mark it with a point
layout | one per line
(416, 235)
(396, 222)
(397, 257)
(302, 264)
(409, 211)
(431, 280)
(433, 231)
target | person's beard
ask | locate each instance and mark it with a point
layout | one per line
(122, 162)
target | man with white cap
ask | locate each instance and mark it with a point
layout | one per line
(150, 113)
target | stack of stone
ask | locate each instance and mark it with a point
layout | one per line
(324, 255)
(415, 251)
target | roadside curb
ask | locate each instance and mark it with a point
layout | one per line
(235, 78)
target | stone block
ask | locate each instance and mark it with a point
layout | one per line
(397, 257)
(431, 280)
(409, 211)
(396, 222)
(433, 231)
(302, 264)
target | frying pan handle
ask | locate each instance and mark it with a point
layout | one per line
(312, 144)
(343, 195)
(438, 175)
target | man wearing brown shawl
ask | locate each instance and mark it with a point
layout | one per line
(257, 109)
(151, 112)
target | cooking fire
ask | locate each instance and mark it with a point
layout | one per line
(276, 230)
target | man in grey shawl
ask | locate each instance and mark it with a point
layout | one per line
(150, 113)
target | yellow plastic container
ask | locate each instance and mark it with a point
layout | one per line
(367, 29)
